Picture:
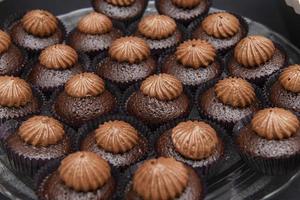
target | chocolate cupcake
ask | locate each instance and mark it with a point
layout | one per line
(255, 59)
(118, 139)
(36, 30)
(84, 98)
(18, 99)
(81, 175)
(35, 142)
(129, 61)
(194, 63)
(159, 99)
(270, 141)
(12, 59)
(194, 143)
(160, 32)
(164, 178)
(123, 12)
(93, 35)
(228, 101)
(56, 65)
(283, 89)
(222, 29)
(183, 11)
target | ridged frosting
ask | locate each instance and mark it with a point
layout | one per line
(290, 78)
(162, 86)
(275, 123)
(157, 26)
(58, 56)
(40, 23)
(195, 53)
(221, 25)
(5, 41)
(160, 179)
(84, 85)
(84, 171)
(116, 136)
(120, 2)
(194, 139)
(254, 50)
(129, 49)
(95, 23)
(41, 131)
(236, 92)
(186, 3)
(14, 92)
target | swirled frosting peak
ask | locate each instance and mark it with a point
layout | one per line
(160, 179)
(290, 78)
(186, 3)
(221, 25)
(40, 23)
(58, 56)
(195, 53)
(84, 171)
(120, 2)
(164, 87)
(116, 136)
(157, 26)
(84, 85)
(129, 49)
(14, 92)
(194, 139)
(41, 131)
(254, 50)
(275, 123)
(95, 23)
(236, 92)
(5, 41)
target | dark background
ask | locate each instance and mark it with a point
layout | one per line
(273, 13)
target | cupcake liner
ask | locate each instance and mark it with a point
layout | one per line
(110, 87)
(6, 129)
(226, 124)
(268, 166)
(20, 69)
(136, 87)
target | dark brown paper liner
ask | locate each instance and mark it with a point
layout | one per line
(244, 24)
(226, 124)
(25, 165)
(110, 87)
(268, 166)
(266, 91)
(136, 87)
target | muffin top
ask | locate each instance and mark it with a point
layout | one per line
(95, 23)
(186, 4)
(290, 78)
(5, 41)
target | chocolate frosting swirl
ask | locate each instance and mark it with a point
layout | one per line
(95, 23)
(160, 179)
(290, 78)
(14, 92)
(254, 50)
(187, 4)
(84, 85)
(129, 49)
(235, 92)
(120, 2)
(195, 53)
(84, 171)
(221, 25)
(58, 56)
(5, 41)
(194, 139)
(275, 123)
(157, 26)
(116, 136)
(40, 23)
(41, 131)
(164, 87)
